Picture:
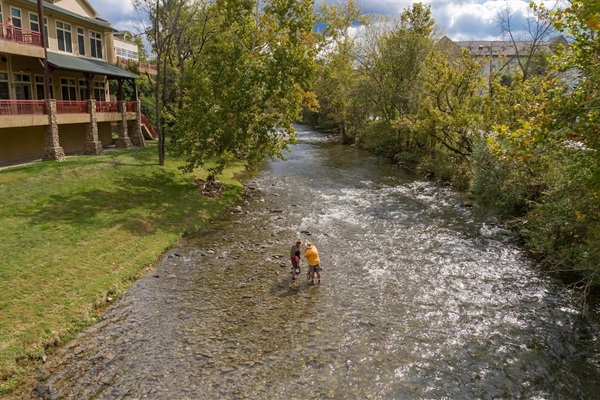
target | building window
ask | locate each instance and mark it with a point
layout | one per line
(15, 14)
(95, 44)
(22, 86)
(1, 14)
(81, 41)
(39, 88)
(99, 91)
(68, 89)
(34, 22)
(63, 36)
(46, 32)
(4, 88)
(126, 53)
(82, 89)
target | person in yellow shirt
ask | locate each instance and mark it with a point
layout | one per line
(312, 257)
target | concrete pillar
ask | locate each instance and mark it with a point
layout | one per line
(123, 141)
(53, 150)
(134, 127)
(92, 145)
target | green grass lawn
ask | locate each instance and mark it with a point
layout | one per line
(78, 232)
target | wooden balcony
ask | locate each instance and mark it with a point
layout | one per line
(141, 66)
(18, 41)
(71, 107)
(21, 107)
(24, 113)
(20, 35)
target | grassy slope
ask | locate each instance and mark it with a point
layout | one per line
(78, 232)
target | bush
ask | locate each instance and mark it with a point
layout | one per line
(382, 139)
(446, 167)
(564, 225)
(499, 186)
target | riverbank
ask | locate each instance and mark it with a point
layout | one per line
(76, 234)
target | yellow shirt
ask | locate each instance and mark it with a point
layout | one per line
(312, 256)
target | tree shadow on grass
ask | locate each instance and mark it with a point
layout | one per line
(140, 204)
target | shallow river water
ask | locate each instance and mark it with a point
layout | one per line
(421, 298)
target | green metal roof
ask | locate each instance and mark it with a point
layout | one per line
(80, 64)
(52, 7)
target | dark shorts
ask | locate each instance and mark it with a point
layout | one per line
(294, 264)
(314, 268)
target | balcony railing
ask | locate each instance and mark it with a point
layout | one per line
(142, 66)
(107, 106)
(71, 107)
(130, 106)
(20, 35)
(21, 107)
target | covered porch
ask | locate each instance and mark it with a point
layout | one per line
(86, 122)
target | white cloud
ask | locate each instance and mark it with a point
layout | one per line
(458, 19)
(112, 7)
(120, 13)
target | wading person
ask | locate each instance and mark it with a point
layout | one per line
(312, 257)
(295, 259)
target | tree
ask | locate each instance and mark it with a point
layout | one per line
(393, 58)
(538, 30)
(171, 30)
(337, 77)
(250, 84)
(398, 60)
(545, 149)
(452, 108)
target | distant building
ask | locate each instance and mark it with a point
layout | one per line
(502, 56)
(127, 53)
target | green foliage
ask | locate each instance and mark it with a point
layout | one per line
(397, 65)
(541, 162)
(380, 138)
(337, 80)
(250, 86)
(452, 108)
(564, 228)
(498, 184)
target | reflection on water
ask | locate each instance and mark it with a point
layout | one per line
(421, 298)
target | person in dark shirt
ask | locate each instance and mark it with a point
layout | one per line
(295, 259)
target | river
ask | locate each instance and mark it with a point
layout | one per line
(420, 298)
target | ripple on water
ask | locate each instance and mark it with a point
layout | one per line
(420, 298)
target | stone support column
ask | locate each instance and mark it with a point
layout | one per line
(92, 145)
(135, 127)
(53, 150)
(123, 141)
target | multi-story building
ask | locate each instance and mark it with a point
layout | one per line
(502, 56)
(127, 55)
(55, 99)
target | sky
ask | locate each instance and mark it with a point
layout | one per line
(459, 20)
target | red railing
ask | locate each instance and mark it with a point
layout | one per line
(71, 107)
(130, 106)
(107, 106)
(20, 35)
(148, 125)
(142, 66)
(21, 107)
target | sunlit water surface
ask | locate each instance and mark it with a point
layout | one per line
(421, 298)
